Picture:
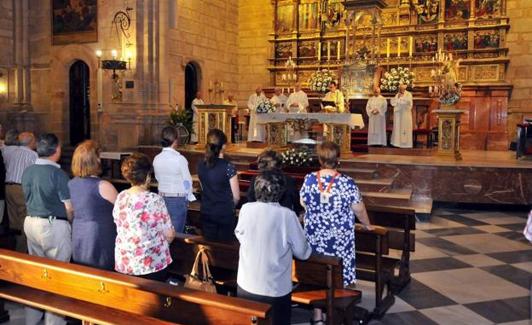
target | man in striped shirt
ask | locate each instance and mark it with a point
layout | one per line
(16, 161)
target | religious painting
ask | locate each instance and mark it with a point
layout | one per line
(457, 9)
(486, 39)
(426, 43)
(455, 41)
(427, 10)
(487, 8)
(285, 18)
(308, 16)
(332, 14)
(307, 49)
(283, 50)
(74, 21)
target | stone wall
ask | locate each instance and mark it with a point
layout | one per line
(6, 47)
(519, 41)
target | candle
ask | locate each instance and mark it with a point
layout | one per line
(222, 85)
(114, 53)
(430, 89)
(338, 46)
(450, 56)
(319, 51)
(398, 46)
(329, 51)
(410, 48)
(98, 53)
(388, 47)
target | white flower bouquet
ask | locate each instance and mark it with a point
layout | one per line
(299, 157)
(265, 106)
(394, 77)
(319, 80)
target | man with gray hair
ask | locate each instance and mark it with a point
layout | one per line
(49, 208)
(16, 161)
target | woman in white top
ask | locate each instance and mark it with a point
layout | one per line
(269, 235)
(175, 182)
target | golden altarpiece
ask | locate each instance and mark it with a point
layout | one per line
(320, 34)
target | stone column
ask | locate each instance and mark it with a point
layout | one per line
(21, 52)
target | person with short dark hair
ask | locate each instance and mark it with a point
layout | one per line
(220, 190)
(93, 229)
(270, 160)
(174, 179)
(332, 201)
(143, 225)
(16, 161)
(335, 95)
(270, 236)
(49, 210)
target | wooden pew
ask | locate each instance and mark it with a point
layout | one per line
(400, 223)
(319, 279)
(371, 246)
(105, 297)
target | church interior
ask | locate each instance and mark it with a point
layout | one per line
(424, 103)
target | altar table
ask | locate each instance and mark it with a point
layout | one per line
(337, 126)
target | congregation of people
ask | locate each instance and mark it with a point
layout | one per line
(85, 220)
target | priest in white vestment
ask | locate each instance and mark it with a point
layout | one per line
(256, 132)
(195, 117)
(336, 96)
(376, 109)
(279, 100)
(402, 118)
(297, 101)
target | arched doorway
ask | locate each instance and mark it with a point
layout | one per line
(192, 82)
(80, 125)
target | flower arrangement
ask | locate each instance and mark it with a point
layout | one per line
(265, 106)
(392, 79)
(319, 80)
(300, 157)
(182, 120)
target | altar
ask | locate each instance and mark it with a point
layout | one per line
(337, 126)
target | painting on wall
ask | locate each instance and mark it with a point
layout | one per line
(455, 41)
(427, 43)
(307, 49)
(283, 50)
(487, 8)
(74, 21)
(486, 39)
(308, 16)
(427, 11)
(285, 18)
(457, 9)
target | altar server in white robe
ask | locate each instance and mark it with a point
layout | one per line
(402, 118)
(195, 117)
(297, 101)
(256, 132)
(279, 100)
(376, 109)
(336, 96)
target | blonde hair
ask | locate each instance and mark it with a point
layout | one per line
(86, 159)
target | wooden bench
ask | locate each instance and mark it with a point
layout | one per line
(105, 297)
(319, 279)
(400, 223)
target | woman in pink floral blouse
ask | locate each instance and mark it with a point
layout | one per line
(143, 225)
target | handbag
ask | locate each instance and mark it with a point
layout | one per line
(205, 281)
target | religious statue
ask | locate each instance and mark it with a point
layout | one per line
(447, 88)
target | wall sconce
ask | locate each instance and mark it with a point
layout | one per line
(114, 64)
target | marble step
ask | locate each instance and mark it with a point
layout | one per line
(359, 173)
(398, 197)
(375, 185)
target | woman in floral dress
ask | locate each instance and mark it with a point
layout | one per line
(144, 228)
(331, 201)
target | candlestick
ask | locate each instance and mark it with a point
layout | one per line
(338, 46)
(329, 51)
(319, 52)
(388, 47)
(411, 43)
(398, 46)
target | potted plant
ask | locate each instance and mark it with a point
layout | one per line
(182, 120)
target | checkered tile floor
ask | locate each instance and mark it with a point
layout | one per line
(469, 267)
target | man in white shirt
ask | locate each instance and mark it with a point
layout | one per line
(297, 101)
(195, 117)
(279, 100)
(376, 109)
(256, 132)
(174, 179)
(402, 118)
(336, 96)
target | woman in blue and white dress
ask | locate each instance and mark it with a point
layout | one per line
(331, 201)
